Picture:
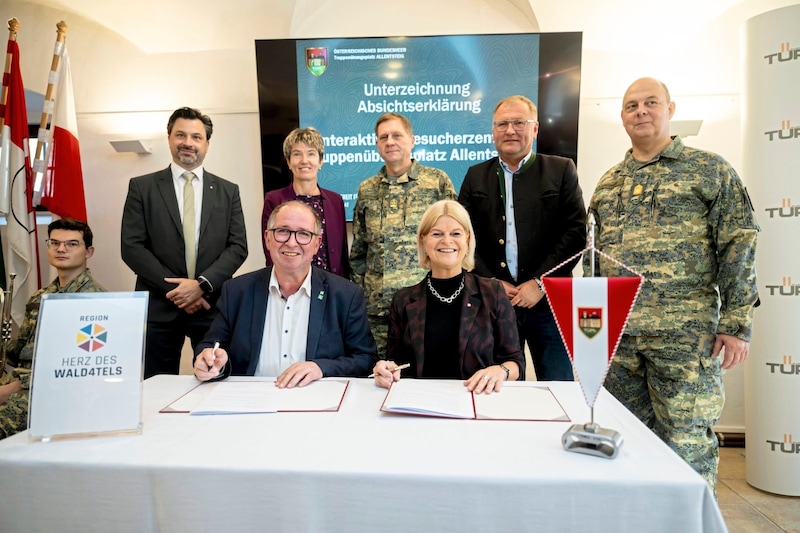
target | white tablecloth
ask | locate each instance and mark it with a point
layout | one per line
(353, 470)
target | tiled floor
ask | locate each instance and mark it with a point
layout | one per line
(747, 509)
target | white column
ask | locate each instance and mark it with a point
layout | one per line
(771, 155)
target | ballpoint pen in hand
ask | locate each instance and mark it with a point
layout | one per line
(213, 355)
(395, 369)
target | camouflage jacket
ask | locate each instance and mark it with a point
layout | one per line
(684, 220)
(384, 255)
(21, 349)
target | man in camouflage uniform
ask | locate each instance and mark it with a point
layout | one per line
(385, 219)
(681, 217)
(68, 247)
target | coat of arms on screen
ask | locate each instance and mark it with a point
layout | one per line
(316, 60)
(590, 320)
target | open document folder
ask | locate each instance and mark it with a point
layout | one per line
(259, 396)
(518, 400)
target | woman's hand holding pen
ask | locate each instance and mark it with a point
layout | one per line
(386, 373)
(210, 363)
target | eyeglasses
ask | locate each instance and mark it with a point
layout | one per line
(518, 125)
(300, 235)
(69, 245)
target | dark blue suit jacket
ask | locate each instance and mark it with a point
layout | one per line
(339, 339)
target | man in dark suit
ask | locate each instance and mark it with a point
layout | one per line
(183, 234)
(294, 321)
(529, 217)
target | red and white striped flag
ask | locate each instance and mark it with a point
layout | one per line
(591, 314)
(62, 191)
(16, 176)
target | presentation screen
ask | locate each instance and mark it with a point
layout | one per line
(447, 86)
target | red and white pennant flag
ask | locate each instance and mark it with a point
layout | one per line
(591, 314)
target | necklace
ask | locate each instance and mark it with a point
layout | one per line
(450, 298)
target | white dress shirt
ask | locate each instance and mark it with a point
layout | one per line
(512, 245)
(285, 328)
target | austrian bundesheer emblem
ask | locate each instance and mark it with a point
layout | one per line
(317, 60)
(590, 320)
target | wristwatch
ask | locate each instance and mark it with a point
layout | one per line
(504, 367)
(539, 283)
(206, 285)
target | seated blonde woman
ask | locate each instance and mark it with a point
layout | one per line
(452, 324)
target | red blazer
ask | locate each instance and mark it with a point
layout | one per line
(487, 332)
(334, 224)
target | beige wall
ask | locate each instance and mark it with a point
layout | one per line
(123, 92)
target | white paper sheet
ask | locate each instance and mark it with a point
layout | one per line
(433, 398)
(233, 396)
(450, 399)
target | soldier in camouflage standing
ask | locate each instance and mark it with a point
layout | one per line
(385, 218)
(68, 247)
(682, 217)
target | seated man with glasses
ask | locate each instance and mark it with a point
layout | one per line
(291, 321)
(68, 248)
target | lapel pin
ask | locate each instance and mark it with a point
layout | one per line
(320, 295)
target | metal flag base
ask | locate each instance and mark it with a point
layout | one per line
(591, 439)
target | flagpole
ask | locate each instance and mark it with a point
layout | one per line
(592, 226)
(39, 164)
(13, 27)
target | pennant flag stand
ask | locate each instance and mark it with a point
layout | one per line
(591, 314)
